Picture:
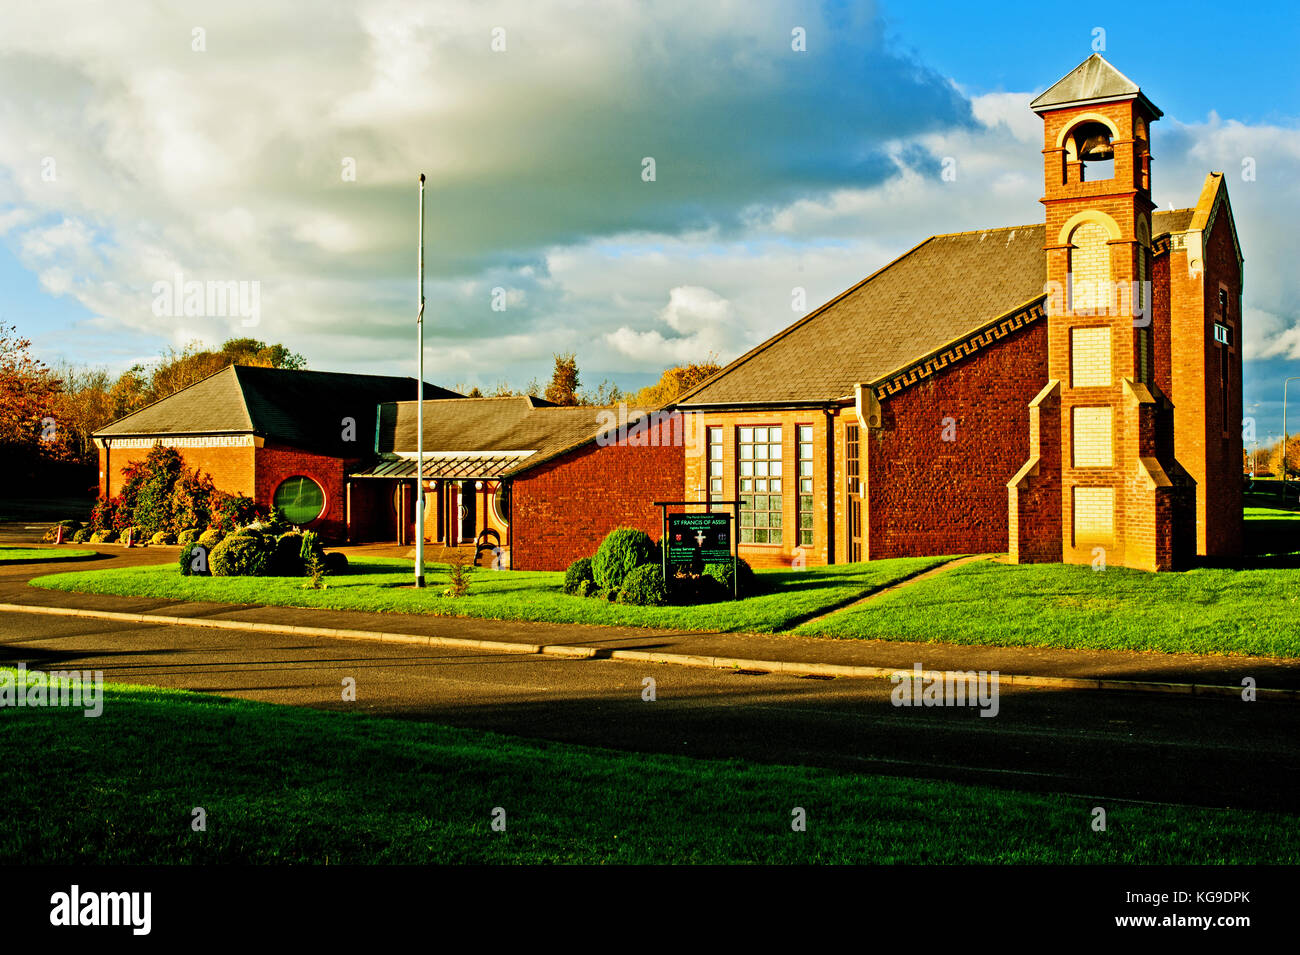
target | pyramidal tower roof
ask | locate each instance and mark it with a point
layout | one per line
(1092, 81)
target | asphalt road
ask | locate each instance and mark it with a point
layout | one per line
(1212, 752)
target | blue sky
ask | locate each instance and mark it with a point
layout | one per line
(775, 169)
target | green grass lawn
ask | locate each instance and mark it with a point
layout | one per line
(292, 785)
(29, 555)
(1056, 605)
(383, 584)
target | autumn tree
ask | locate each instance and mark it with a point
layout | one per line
(563, 389)
(676, 381)
(193, 363)
(29, 393)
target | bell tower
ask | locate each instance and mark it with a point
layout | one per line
(1101, 486)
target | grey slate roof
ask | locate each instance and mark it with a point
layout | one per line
(940, 291)
(1092, 80)
(483, 430)
(303, 409)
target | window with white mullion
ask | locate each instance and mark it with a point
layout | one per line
(759, 467)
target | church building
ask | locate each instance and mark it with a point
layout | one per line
(1067, 390)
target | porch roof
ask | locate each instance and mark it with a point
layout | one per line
(449, 465)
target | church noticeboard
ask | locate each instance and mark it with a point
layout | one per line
(698, 537)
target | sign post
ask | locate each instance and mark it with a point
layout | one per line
(693, 540)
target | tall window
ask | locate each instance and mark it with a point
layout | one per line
(1144, 305)
(1225, 365)
(715, 465)
(760, 485)
(853, 480)
(805, 485)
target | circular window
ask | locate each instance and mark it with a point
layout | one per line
(301, 499)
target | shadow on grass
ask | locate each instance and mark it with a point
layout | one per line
(81, 558)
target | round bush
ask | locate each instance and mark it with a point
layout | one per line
(188, 536)
(210, 538)
(721, 572)
(644, 587)
(162, 537)
(622, 550)
(82, 535)
(336, 563)
(106, 536)
(286, 560)
(238, 556)
(579, 572)
(187, 559)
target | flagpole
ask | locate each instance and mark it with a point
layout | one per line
(419, 409)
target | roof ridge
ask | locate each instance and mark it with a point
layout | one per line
(243, 399)
(158, 401)
(789, 329)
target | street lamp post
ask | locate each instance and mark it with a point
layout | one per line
(1286, 382)
(419, 407)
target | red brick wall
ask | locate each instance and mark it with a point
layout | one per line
(231, 469)
(562, 510)
(275, 464)
(1034, 496)
(926, 495)
(1219, 506)
(253, 472)
(1210, 453)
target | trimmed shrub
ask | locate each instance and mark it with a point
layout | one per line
(187, 560)
(82, 535)
(106, 536)
(238, 556)
(188, 536)
(163, 537)
(721, 572)
(336, 563)
(579, 572)
(644, 587)
(622, 550)
(286, 557)
(211, 538)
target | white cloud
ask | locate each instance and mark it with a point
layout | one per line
(226, 165)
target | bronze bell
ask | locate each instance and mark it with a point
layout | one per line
(1097, 146)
